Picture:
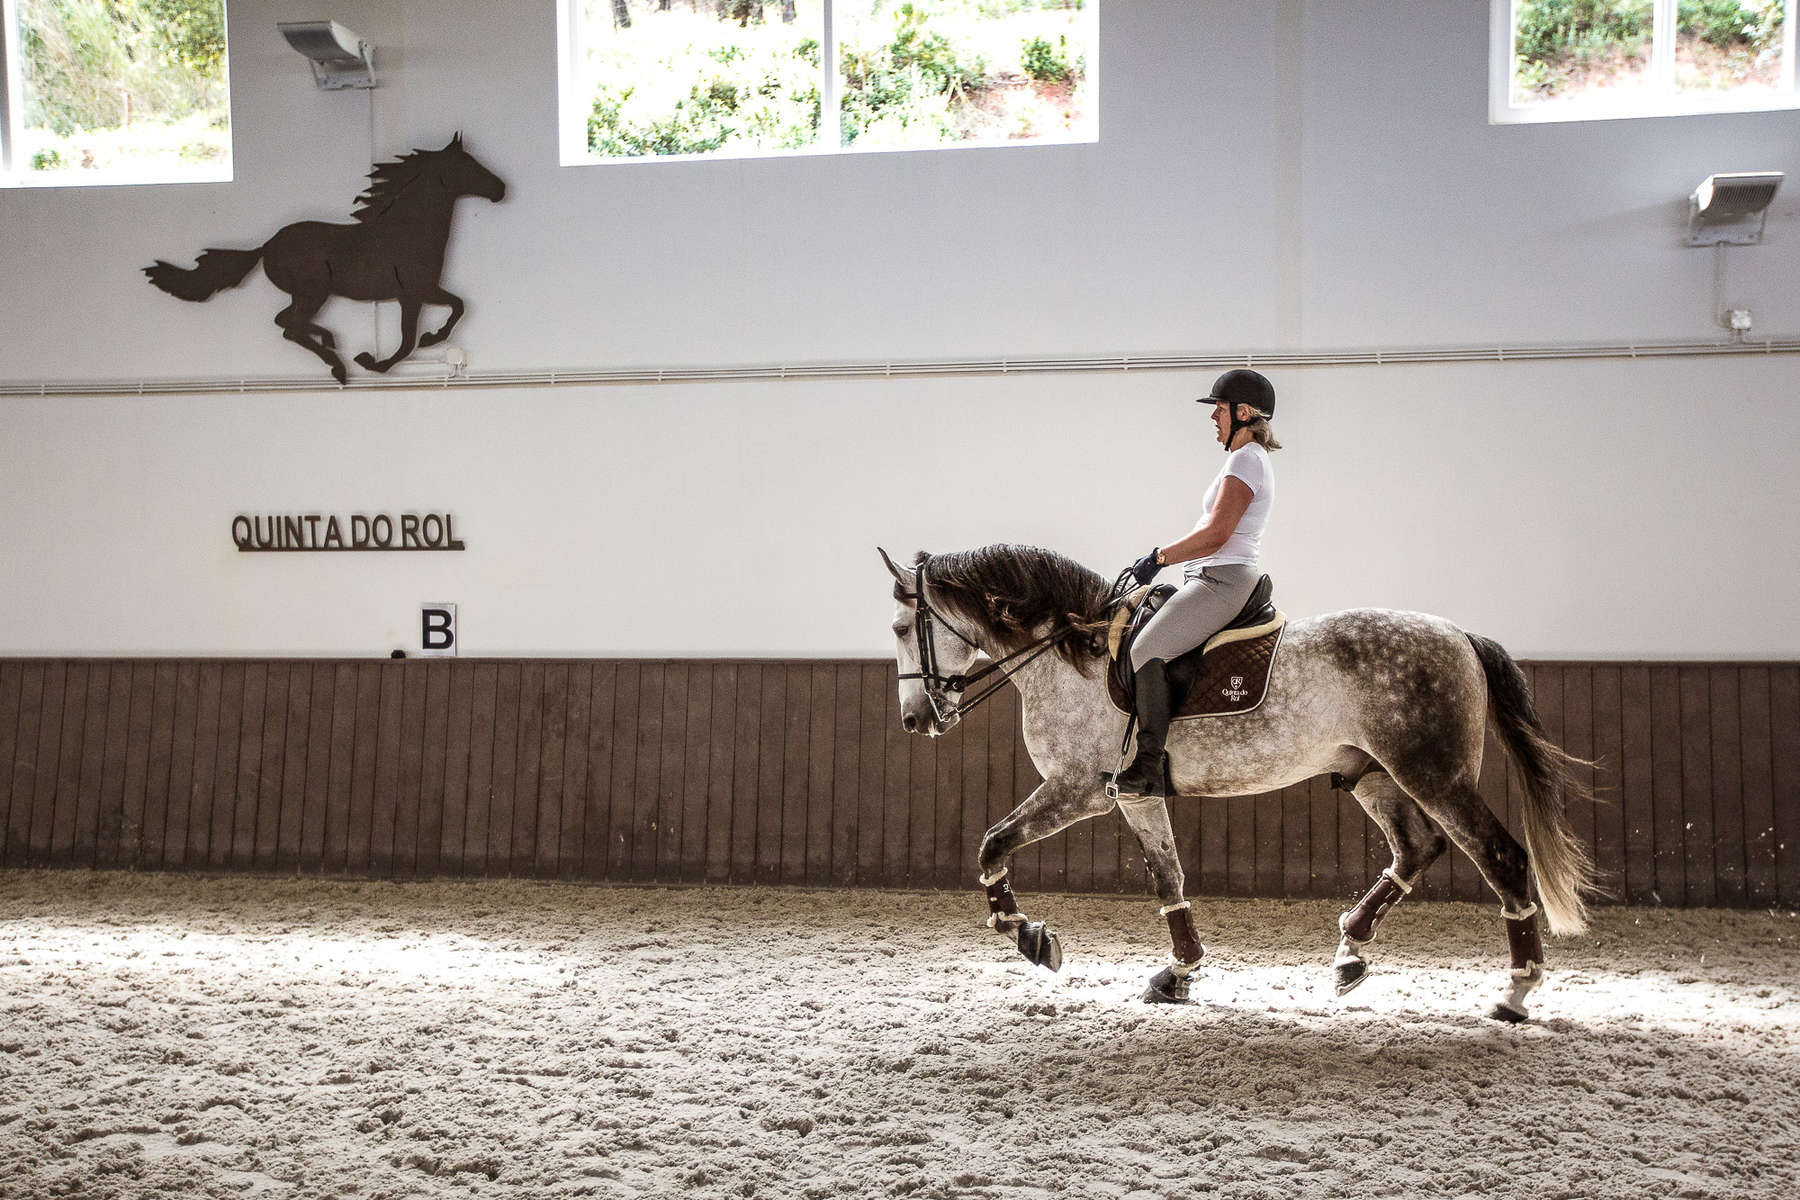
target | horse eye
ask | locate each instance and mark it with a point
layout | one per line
(901, 631)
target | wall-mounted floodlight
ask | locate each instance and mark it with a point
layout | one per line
(1729, 210)
(339, 58)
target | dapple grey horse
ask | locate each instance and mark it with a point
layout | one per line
(1396, 701)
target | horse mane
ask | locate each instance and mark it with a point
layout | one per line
(1014, 590)
(388, 180)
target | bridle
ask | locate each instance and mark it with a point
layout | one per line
(936, 682)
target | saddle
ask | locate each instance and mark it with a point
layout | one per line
(1227, 674)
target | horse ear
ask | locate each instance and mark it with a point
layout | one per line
(455, 142)
(897, 571)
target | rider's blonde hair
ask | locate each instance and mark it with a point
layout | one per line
(1260, 431)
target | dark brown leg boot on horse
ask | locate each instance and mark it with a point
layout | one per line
(1148, 774)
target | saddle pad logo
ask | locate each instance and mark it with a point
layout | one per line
(1235, 693)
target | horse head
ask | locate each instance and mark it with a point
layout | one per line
(929, 654)
(463, 175)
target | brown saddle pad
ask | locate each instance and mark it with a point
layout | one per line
(1231, 678)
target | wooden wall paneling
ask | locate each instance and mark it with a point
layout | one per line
(1754, 749)
(1296, 832)
(1240, 815)
(503, 771)
(291, 808)
(1270, 832)
(334, 847)
(179, 809)
(12, 683)
(696, 772)
(921, 825)
(960, 871)
(241, 846)
(1322, 837)
(771, 751)
(365, 763)
(896, 805)
(24, 764)
(872, 786)
(316, 798)
(68, 767)
(434, 768)
(197, 854)
(602, 752)
(671, 773)
(234, 677)
(1637, 806)
(1696, 786)
(1609, 808)
(552, 771)
(1210, 821)
(390, 729)
(1727, 754)
(796, 767)
(408, 755)
(1784, 772)
(528, 772)
(1726, 750)
(46, 761)
(1004, 792)
(1578, 740)
(647, 760)
(1666, 781)
(270, 773)
(54, 842)
(1354, 832)
(746, 772)
(722, 750)
(846, 770)
(459, 737)
(821, 765)
(577, 731)
(93, 768)
(484, 738)
(946, 842)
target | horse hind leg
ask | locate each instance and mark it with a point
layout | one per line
(1148, 817)
(1472, 826)
(451, 301)
(1415, 844)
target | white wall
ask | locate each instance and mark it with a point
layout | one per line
(1269, 177)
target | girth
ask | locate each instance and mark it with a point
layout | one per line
(1229, 673)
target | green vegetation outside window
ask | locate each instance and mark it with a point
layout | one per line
(1574, 59)
(684, 78)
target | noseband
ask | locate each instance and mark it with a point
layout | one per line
(937, 684)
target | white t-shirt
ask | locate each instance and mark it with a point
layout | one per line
(1250, 463)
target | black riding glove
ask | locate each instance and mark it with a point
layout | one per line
(1145, 568)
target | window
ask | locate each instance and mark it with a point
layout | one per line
(114, 91)
(1572, 60)
(701, 78)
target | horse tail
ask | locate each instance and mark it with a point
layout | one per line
(1559, 861)
(214, 271)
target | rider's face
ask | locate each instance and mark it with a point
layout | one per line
(1222, 421)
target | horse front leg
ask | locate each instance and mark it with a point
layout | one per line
(1050, 809)
(451, 301)
(409, 335)
(1415, 844)
(1148, 817)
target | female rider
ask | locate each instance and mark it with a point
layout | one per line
(1221, 554)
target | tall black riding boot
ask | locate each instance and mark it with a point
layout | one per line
(1149, 771)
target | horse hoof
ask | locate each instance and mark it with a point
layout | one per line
(1040, 945)
(1166, 987)
(1511, 1016)
(1346, 975)
(339, 373)
(429, 339)
(368, 362)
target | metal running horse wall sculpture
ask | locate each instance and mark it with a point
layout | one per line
(395, 251)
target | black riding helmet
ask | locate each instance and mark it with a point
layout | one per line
(1241, 387)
